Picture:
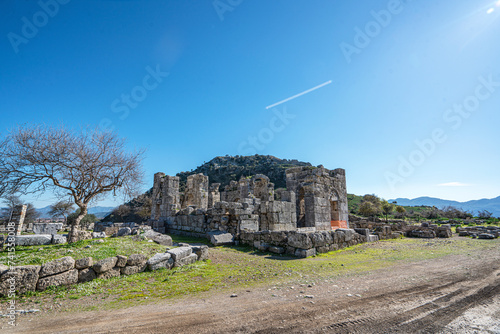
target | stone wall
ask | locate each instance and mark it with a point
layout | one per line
(68, 271)
(476, 231)
(321, 196)
(315, 198)
(426, 230)
(302, 244)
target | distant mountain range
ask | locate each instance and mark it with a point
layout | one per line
(98, 211)
(492, 205)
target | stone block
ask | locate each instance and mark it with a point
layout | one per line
(96, 235)
(33, 240)
(303, 253)
(47, 228)
(318, 239)
(105, 265)
(362, 231)
(300, 240)
(137, 260)
(58, 239)
(263, 246)
(121, 261)
(158, 257)
(130, 270)
(444, 232)
(249, 225)
(82, 235)
(323, 249)
(57, 266)
(123, 231)
(485, 236)
(201, 251)
(180, 253)
(349, 233)
(86, 275)
(161, 239)
(192, 258)
(279, 237)
(113, 272)
(101, 226)
(276, 249)
(219, 238)
(168, 264)
(64, 278)
(25, 278)
(372, 238)
(86, 262)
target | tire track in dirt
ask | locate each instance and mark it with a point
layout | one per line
(392, 304)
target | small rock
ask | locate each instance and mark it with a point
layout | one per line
(357, 295)
(349, 295)
(70, 251)
(150, 240)
(308, 296)
(234, 295)
(88, 246)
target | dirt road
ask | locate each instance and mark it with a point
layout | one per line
(453, 294)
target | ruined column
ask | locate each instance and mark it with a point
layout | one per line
(170, 196)
(196, 193)
(213, 194)
(156, 197)
(17, 218)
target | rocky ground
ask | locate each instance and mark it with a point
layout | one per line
(450, 294)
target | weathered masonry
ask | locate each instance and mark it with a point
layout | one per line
(315, 200)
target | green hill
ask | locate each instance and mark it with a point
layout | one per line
(225, 169)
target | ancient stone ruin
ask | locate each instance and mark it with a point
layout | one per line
(17, 218)
(315, 199)
(68, 271)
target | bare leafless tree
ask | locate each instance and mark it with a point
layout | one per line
(61, 209)
(81, 165)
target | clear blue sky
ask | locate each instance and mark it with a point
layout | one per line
(396, 68)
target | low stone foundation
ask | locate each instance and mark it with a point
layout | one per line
(429, 231)
(302, 244)
(67, 271)
(476, 231)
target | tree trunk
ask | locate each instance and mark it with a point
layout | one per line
(73, 234)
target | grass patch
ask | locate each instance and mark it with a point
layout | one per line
(37, 255)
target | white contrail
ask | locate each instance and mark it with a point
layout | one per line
(300, 94)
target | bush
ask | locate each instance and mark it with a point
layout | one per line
(85, 222)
